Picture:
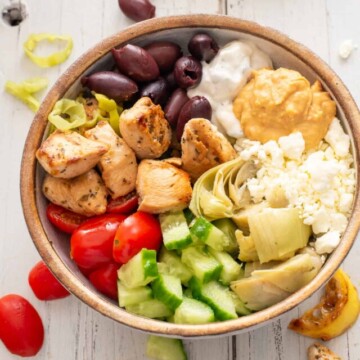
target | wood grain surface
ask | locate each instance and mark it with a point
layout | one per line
(74, 331)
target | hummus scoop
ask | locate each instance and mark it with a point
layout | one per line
(276, 103)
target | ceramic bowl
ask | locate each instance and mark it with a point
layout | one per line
(54, 246)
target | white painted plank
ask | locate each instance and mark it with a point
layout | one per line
(74, 331)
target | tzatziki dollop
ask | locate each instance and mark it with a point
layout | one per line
(223, 78)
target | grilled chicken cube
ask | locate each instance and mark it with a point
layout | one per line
(68, 154)
(85, 194)
(145, 129)
(118, 166)
(162, 187)
(203, 147)
(318, 351)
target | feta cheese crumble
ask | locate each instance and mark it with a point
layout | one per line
(320, 183)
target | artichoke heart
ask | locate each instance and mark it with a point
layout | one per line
(221, 191)
(269, 286)
(278, 233)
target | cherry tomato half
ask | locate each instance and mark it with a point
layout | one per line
(44, 284)
(123, 204)
(21, 328)
(63, 219)
(92, 242)
(105, 280)
(139, 230)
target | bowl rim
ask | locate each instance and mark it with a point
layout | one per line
(34, 138)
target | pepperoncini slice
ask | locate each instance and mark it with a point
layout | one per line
(337, 311)
(67, 114)
(53, 59)
(109, 110)
(24, 90)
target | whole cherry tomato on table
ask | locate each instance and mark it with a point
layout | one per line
(123, 204)
(139, 230)
(63, 219)
(44, 284)
(21, 328)
(105, 280)
(92, 242)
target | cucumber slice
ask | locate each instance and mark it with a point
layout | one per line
(174, 265)
(202, 264)
(167, 289)
(228, 227)
(161, 348)
(209, 234)
(139, 270)
(231, 270)
(132, 296)
(189, 216)
(192, 311)
(240, 307)
(175, 231)
(217, 296)
(151, 308)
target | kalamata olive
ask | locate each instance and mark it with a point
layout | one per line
(203, 47)
(137, 10)
(115, 86)
(196, 107)
(173, 107)
(187, 72)
(170, 79)
(165, 54)
(136, 63)
(157, 91)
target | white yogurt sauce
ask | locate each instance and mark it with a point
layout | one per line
(224, 77)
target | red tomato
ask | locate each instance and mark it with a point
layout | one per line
(91, 243)
(44, 284)
(105, 280)
(21, 328)
(65, 220)
(139, 230)
(123, 204)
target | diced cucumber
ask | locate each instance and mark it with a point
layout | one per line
(240, 307)
(132, 296)
(231, 270)
(188, 293)
(161, 348)
(167, 289)
(217, 296)
(228, 227)
(192, 311)
(139, 270)
(175, 231)
(209, 234)
(202, 264)
(175, 266)
(189, 216)
(151, 308)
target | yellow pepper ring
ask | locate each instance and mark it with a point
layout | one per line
(53, 59)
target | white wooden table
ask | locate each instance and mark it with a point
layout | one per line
(73, 330)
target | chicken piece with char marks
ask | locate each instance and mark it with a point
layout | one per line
(118, 166)
(68, 154)
(145, 129)
(162, 187)
(203, 147)
(85, 194)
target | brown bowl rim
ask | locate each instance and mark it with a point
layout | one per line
(109, 309)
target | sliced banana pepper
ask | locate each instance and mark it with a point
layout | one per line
(24, 90)
(110, 109)
(67, 114)
(337, 311)
(53, 59)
